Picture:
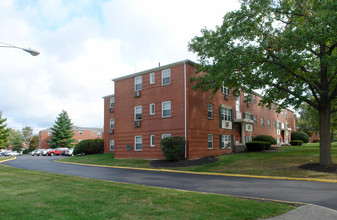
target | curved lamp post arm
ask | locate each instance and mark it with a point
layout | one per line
(28, 50)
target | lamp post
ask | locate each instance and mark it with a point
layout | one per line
(28, 50)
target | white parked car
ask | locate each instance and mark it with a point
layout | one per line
(69, 152)
(15, 153)
(44, 152)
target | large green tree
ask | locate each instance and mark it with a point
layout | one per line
(285, 47)
(62, 134)
(16, 139)
(33, 143)
(27, 133)
(4, 132)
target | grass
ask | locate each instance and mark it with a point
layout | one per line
(27, 194)
(283, 162)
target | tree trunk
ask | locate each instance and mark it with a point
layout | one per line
(325, 141)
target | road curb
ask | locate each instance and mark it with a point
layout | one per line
(8, 160)
(207, 173)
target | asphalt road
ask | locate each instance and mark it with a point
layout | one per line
(323, 194)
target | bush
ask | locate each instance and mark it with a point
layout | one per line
(298, 135)
(266, 138)
(257, 145)
(296, 142)
(90, 146)
(173, 148)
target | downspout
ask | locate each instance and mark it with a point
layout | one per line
(185, 97)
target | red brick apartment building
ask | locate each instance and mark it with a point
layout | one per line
(80, 133)
(150, 105)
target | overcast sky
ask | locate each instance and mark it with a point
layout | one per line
(83, 45)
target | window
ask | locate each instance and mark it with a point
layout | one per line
(210, 111)
(248, 116)
(226, 141)
(99, 134)
(138, 113)
(138, 83)
(226, 114)
(225, 90)
(138, 143)
(49, 133)
(165, 136)
(248, 139)
(255, 119)
(262, 122)
(152, 140)
(210, 141)
(112, 102)
(112, 123)
(268, 123)
(151, 78)
(166, 109)
(80, 132)
(112, 145)
(254, 98)
(166, 77)
(152, 109)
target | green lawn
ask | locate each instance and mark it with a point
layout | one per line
(27, 194)
(283, 162)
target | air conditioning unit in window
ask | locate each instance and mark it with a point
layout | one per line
(278, 131)
(226, 97)
(111, 131)
(249, 127)
(136, 94)
(137, 124)
(226, 124)
(111, 110)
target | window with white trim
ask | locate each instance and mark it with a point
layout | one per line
(99, 134)
(49, 133)
(226, 141)
(262, 122)
(255, 119)
(112, 102)
(166, 77)
(151, 78)
(210, 111)
(226, 114)
(269, 123)
(138, 113)
(165, 136)
(138, 143)
(166, 109)
(152, 140)
(210, 141)
(248, 139)
(112, 123)
(138, 83)
(80, 132)
(112, 145)
(225, 90)
(152, 109)
(254, 98)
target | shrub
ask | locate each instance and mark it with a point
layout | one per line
(266, 138)
(296, 142)
(298, 135)
(173, 148)
(90, 146)
(257, 145)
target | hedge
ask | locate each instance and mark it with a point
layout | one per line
(257, 145)
(296, 142)
(266, 138)
(299, 135)
(173, 148)
(90, 146)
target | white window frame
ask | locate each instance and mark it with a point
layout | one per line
(228, 140)
(49, 133)
(112, 102)
(139, 142)
(138, 111)
(210, 141)
(165, 74)
(165, 108)
(112, 145)
(80, 132)
(138, 81)
(269, 124)
(225, 90)
(152, 140)
(112, 123)
(152, 78)
(262, 122)
(154, 109)
(226, 114)
(210, 111)
(165, 136)
(99, 134)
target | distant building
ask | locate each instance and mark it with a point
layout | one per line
(80, 133)
(160, 102)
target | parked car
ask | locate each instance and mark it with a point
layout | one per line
(33, 152)
(69, 152)
(15, 153)
(45, 152)
(5, 153)
(57, 151)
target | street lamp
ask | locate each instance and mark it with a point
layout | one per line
(28, 50)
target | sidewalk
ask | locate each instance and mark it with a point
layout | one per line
(308, 212)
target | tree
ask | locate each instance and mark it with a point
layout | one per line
(27, 132)
(62, 132)
(16, 139)
(4, 132)
(287, 48)
(33, 143)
